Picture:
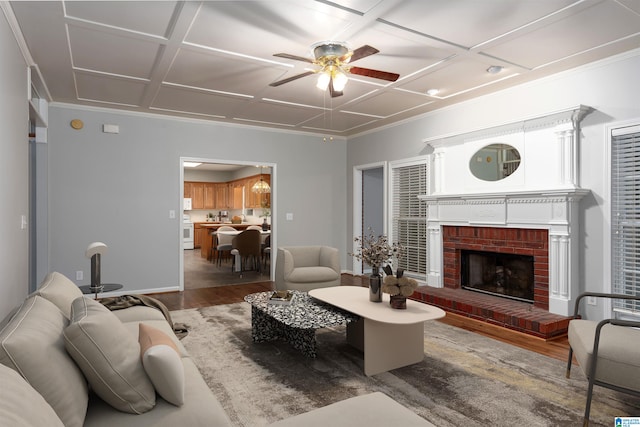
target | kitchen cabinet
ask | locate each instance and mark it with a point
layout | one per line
(235, 194)
(227, 195)
(209, 195)
(222, 196)
(197, 235)
(197, 195)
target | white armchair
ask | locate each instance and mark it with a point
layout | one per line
(304, 268)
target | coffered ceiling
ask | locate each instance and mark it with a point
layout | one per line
(214, 60)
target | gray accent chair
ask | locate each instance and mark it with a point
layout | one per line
(304, 268)
(607, 351)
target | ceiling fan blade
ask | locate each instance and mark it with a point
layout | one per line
(290, 79)
(376, 74)
(294, 57)
(334, 93)
(363, 52)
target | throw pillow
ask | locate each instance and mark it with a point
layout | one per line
(162, 363)
(32, 345)
(109, 356)
(61, 291)
(21, 405)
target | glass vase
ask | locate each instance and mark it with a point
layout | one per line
(375, 285)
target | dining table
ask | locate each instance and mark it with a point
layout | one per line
(237, 264)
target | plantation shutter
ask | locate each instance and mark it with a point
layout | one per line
(409, 215)
(625, 216)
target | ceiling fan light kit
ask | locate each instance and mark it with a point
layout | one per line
(332, 58)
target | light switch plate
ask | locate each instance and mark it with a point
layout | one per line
(591, 300)
(289, 216)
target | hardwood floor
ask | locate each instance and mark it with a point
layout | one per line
(204, 297)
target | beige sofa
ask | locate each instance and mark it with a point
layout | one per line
(304, 268)
(66, 360)
(32, 343)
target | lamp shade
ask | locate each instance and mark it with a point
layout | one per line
(261, 187)
(339, 81)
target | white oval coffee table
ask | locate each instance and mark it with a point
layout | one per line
(389, 338)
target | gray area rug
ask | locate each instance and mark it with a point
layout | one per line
(465, 379)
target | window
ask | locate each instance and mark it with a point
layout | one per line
(625, 216)
(409, 215)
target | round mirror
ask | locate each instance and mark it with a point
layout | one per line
(494, 162)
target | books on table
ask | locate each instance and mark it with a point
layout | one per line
(281, 297)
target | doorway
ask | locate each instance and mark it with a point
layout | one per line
(369, 205)
(199, 267)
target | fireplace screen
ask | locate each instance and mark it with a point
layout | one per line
(505, 275)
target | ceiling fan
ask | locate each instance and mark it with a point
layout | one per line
(333, 58)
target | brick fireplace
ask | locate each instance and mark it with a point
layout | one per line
(533, 212)
(518, 241)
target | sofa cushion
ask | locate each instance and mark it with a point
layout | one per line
(32, 345)
(21, 405)
(61, 291)
(161, 362)
(200, 409)
(109, 356)
(312, 274)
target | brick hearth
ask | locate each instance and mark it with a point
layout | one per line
(515, 315)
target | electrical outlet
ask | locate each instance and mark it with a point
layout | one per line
(591, 300)
(79, 275)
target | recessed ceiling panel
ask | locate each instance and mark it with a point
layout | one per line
(108, 89)
(456, 76)
(268, 112)
(191, 101)
(108, 53)
(262, 28)
(126, 14)
(218, 71)
(337, 122)
(470, 22)
(386, 104)
(569, 36)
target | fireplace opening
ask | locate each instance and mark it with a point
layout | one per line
(501, 274)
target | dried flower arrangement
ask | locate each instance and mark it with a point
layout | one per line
(398, 284)
(376, 251)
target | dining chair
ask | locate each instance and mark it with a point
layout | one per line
(607, 351)
(265, 251)
(247, 246)
(224, 242)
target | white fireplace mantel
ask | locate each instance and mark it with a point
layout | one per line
(543, 193)
(554, 210)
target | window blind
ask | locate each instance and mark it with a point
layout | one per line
(625, 216)
(409, 215)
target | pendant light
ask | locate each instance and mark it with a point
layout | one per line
(261, 186)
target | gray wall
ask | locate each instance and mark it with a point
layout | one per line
(119, 189)
(14, 172)
(611, 87)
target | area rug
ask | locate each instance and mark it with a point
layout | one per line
(465, 379)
